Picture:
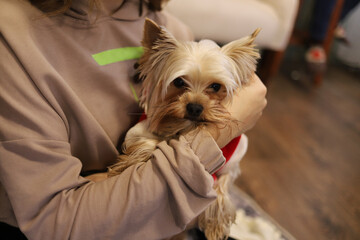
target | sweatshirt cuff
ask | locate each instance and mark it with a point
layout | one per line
(207, 150)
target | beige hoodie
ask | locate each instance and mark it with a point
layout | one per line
(63, 114)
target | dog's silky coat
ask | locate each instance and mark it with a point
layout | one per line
(185, 88)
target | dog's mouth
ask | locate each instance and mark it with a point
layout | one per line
(195, 119)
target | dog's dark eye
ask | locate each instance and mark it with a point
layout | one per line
(179, 82)
(215, 86)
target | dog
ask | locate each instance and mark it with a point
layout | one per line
(185, 88)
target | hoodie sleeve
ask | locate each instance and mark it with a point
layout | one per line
(151, 200)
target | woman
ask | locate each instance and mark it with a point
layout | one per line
(66, 101)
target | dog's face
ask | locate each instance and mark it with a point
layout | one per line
(185, 84)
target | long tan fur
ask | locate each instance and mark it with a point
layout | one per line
(216, 220)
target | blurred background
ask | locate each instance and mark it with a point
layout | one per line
(303, 161)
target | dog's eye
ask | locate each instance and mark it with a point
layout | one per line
(179, 82)
(215, 86)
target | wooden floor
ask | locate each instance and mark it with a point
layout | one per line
(303, 161)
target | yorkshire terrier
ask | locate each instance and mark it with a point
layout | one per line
(185, 88)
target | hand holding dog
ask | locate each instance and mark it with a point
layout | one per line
(249, 103)
(247, 107)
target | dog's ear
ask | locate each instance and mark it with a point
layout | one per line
(158, 44)
(244, 55)
(154, 34)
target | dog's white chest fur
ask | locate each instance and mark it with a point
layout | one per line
(141, 141)
(140, 130)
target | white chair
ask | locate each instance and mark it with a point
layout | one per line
(226, 20)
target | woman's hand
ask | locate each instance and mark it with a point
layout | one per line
(248, 104)
(246, 108)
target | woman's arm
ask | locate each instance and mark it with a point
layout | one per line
(41, 179)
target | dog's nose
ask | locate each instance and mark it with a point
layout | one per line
(194, 110)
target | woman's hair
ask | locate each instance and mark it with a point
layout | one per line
(55, 7)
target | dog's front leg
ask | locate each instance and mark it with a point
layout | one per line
(138, 146)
